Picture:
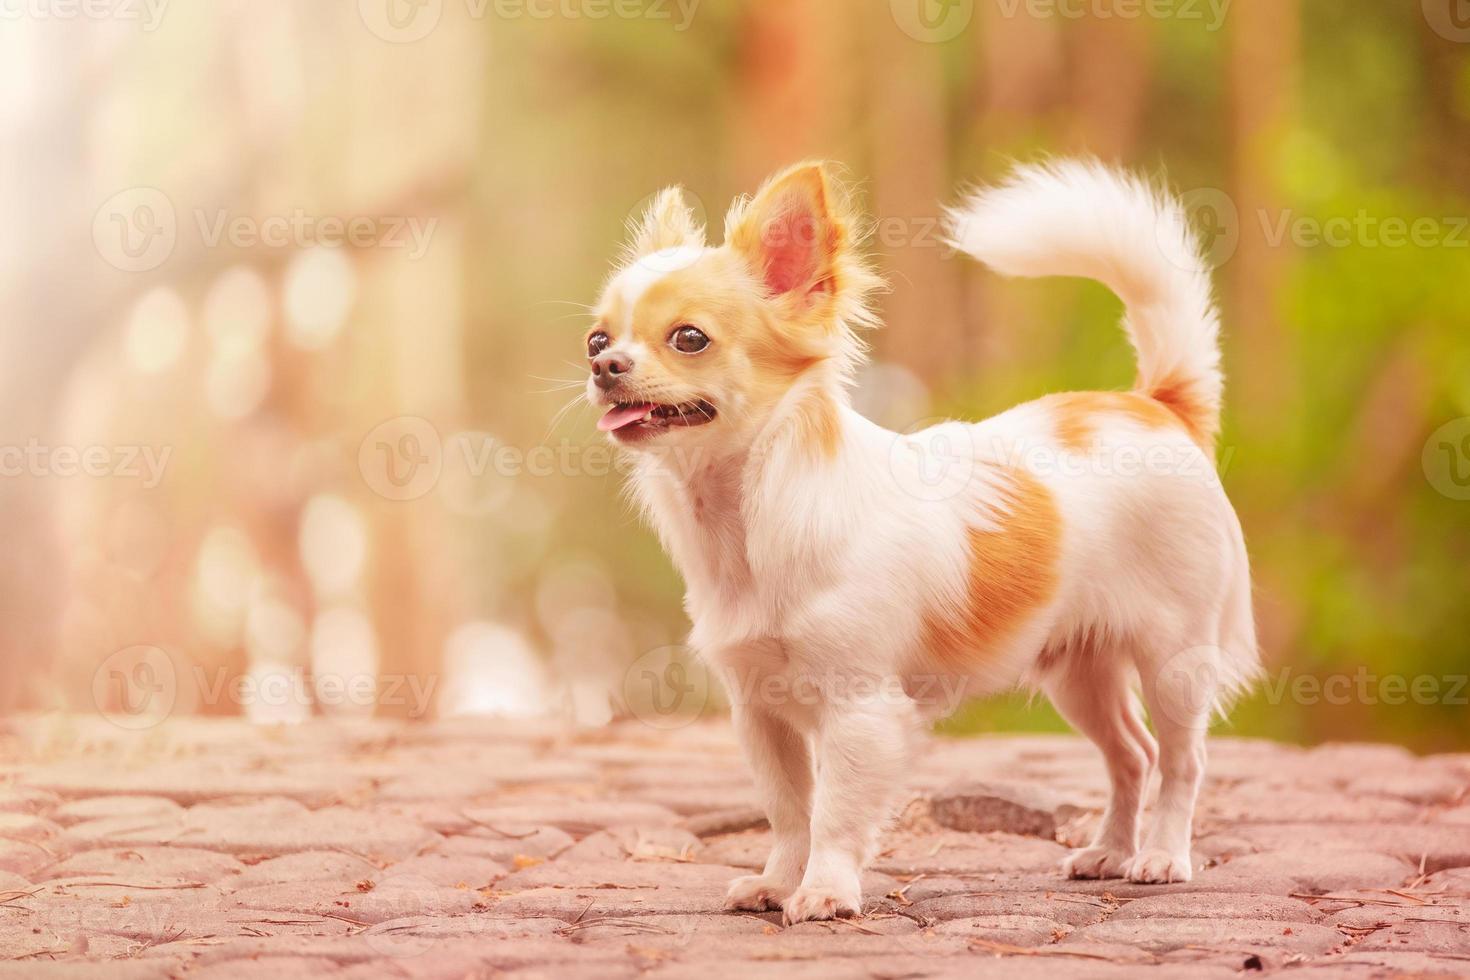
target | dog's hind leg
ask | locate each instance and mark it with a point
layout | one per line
(1091, 689)
(1180, 689)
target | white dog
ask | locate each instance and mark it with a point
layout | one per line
(1079, 543)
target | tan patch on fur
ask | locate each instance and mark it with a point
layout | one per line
(819, 426)
(1012, 574)
(1180, 397)
(760, 355)
(766, 330)
(706, 294)
(1077, 415)
(817, 318)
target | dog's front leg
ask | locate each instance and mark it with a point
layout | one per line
(782, 764)
(862, 749)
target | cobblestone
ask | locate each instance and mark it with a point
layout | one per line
(209, 849)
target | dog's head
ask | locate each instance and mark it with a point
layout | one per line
(699, 343)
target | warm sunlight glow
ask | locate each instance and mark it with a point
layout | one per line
(237, 310)
(225, 574)
(333, 545)
(236, 382)
(492, 670)
(319, 292)
(157, 330)
(275, 694)
(344, 661)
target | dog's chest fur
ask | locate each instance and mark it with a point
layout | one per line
(747, 587)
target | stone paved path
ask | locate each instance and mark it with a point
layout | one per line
(466, 849)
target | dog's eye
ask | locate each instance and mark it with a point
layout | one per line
(597, 343)
(688, 340)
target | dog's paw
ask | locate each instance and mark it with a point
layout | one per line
(756, 893)
(815, 904)
(1097, 862)
(1157, 866)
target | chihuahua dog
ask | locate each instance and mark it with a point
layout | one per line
(1080, 544)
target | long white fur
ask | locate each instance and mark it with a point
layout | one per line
(808, 571)
(1077, 218)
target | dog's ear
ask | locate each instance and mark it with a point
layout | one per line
(667, 223)
(789, 232)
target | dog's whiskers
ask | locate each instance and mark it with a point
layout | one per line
(556, 419)
(557, 384)
(566, 302)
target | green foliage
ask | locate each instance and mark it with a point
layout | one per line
(1361, 563)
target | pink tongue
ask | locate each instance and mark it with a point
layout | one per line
(621, 415)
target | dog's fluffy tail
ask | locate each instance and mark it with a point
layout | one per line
(1079, 218)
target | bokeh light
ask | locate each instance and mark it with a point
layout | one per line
(157, 331)
(236, 382)
(492, 670)
(224, 579)
(333, 545)
(319, 292)
(274, 630)
(237, 310)
(342, 232)
(344, 661)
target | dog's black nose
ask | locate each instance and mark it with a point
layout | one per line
(609, 367)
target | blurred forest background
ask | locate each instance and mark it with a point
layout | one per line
(177, 179)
